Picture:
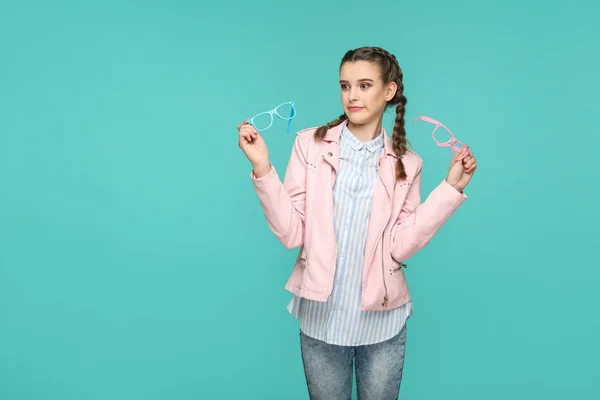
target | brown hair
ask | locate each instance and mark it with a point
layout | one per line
(390, 72)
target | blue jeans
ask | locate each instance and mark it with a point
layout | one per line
(329, 368)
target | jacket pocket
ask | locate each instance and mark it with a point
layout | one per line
(396, 280)
(396, 267)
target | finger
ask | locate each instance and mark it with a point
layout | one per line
(468, 161)
(243, 141)
(249, 128)
(242, 124)
(246, 130)
(457, 157)
(468, 158)
(247, 136)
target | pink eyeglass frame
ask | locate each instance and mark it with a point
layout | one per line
(454, 144)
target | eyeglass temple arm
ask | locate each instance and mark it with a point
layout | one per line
(290, 120)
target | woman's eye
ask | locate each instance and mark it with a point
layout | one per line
(365, 85)
(344, 87)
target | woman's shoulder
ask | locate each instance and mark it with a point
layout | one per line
(306, 137)
(307, 131)
(413, 163)
(305, 141)
(412, 156)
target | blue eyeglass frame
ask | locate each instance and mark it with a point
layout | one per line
(274, 112)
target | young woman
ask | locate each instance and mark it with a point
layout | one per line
(351, 201)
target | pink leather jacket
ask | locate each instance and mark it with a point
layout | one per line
(299, 211)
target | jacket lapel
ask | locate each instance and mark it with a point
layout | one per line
(387, 175)
(331, 149)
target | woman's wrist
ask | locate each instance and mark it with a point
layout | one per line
(261, 169)
(455, 185)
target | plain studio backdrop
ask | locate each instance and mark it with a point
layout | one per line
(135, 260)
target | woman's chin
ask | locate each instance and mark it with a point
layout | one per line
(358, 119)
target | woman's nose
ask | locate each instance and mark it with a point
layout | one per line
(352, 95)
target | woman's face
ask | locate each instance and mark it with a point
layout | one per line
(364, 93)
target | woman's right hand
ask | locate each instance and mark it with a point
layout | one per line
(254, 147)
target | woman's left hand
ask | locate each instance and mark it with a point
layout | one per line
(462, 169)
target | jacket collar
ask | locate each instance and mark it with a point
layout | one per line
(386, 175)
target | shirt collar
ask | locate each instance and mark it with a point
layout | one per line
(357, 145)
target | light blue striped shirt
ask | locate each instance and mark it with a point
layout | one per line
(339, 320)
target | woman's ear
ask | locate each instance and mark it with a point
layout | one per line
(390, 91)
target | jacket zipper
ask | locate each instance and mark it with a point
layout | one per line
(400, 266)
(385, 298)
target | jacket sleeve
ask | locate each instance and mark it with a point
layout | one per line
(284, 203)
(417, 223)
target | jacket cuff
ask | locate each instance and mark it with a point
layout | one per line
(451, 191)
(271, 173)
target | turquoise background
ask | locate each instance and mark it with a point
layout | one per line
(135, 261)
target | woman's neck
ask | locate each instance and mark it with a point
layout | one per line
(365, 132)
